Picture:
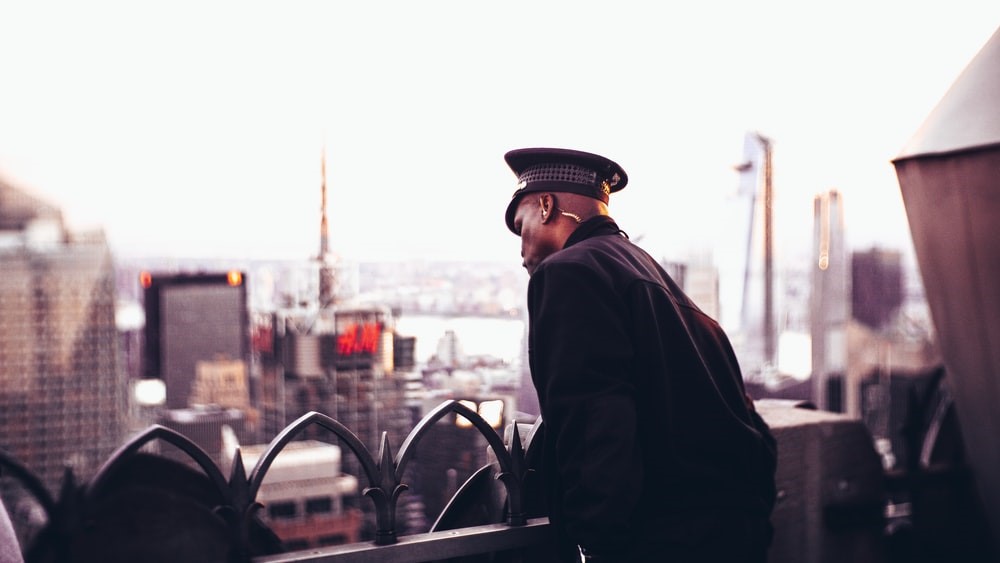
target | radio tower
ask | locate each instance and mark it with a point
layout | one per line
(326, 278)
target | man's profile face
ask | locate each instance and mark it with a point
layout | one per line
(538, 239)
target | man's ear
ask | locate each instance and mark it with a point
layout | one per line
(546, 205)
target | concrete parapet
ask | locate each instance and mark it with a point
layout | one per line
(831, 491)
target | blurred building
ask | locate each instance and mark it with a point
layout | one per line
(876, 286)
(449, 350)
(857, 335)
(192, 319)
(63, 399)
(304, 493)
(205, 426)
(756, 339)
(699, 278)
(340, 361)
(828, 318)
(525, 395)
(457, 449)
(196, 341)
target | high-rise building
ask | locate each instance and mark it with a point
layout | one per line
(756, 337)
(197, 342)
(339, 361)
(322, 353)
(876, 286)
(829, 300)
(327, 280)
(343, 366)
(63, 394)
(195, 323)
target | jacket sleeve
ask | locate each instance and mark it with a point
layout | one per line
(581, 359)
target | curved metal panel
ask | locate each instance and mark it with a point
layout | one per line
(157, 432)
(953, 207)
(966, 117)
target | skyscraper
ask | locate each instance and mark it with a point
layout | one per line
(197, 341)
(327, 290)
(327, 355)
(757, 334)
(828, 302)
(195, 324)
(876, 286)
(62, 387)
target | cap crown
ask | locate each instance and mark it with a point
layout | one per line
(562, 170)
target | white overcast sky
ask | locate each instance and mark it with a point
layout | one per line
(196, 128)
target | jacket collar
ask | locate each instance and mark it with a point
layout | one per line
(601, 225)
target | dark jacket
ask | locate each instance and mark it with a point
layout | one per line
(647, 424)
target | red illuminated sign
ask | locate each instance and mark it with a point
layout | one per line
(262, 338)
(359, 338)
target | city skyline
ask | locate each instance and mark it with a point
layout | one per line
(194, 130)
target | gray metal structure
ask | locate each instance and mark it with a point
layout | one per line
(949, 176)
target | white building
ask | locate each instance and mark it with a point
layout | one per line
(304, 493)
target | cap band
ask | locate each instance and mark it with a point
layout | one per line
(559, 173)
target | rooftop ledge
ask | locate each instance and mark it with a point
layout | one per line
(475, 540)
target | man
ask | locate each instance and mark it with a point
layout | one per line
(652, 450)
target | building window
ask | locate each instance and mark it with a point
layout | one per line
(281, 510)
(319, 505)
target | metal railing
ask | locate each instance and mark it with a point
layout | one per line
(78, 510)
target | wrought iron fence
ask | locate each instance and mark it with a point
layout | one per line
(94, 519)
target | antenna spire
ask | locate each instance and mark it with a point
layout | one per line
(326, 295)
(324, 228)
